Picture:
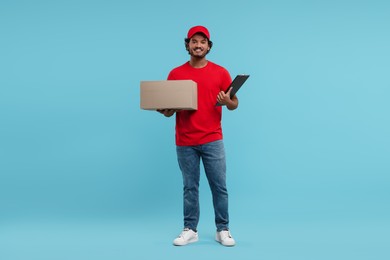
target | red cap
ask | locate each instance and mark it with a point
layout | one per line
(198, 29)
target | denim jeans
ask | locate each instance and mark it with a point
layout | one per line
(213, 158)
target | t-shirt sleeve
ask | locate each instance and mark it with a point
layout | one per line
(226, 80)
(171, 75)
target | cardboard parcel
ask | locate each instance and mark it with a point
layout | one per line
(169, 94)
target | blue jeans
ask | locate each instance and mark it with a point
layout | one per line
(213, 158)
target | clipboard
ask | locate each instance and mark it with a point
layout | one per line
(236, 85)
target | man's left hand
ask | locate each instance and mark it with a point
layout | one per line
(224, 98)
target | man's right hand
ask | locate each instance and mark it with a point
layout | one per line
(167, 112)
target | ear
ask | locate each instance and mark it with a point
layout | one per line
(186, 43)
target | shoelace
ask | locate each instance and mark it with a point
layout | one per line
(223, 236)
(184, 232)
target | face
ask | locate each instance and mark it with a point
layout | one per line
(198, 46)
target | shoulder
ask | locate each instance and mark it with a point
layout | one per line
(178, 71)
(219, 69)
(181, 67)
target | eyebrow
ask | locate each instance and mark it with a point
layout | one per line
(203, 40)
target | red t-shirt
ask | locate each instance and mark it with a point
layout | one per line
(203, 125)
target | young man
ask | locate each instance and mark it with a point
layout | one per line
(199, 136)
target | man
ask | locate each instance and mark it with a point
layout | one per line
(199, 136)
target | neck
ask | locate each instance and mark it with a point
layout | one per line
(196, 62)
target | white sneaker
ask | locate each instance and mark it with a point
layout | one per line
(225, 238)
(186, 236)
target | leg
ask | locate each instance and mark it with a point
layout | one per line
(189, 158)
(213, 157)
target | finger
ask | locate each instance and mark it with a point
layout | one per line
(228, 93)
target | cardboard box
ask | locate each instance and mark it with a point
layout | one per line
(169, 94)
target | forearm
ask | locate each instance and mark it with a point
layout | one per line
(232, 103)
(167, 112)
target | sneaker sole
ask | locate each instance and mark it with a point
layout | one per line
(225, 244)
(188, 242)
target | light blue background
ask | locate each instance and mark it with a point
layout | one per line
(86, 174)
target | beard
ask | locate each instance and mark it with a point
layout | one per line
(196, 54)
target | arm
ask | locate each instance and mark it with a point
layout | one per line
(167, 112)
(224, 99)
